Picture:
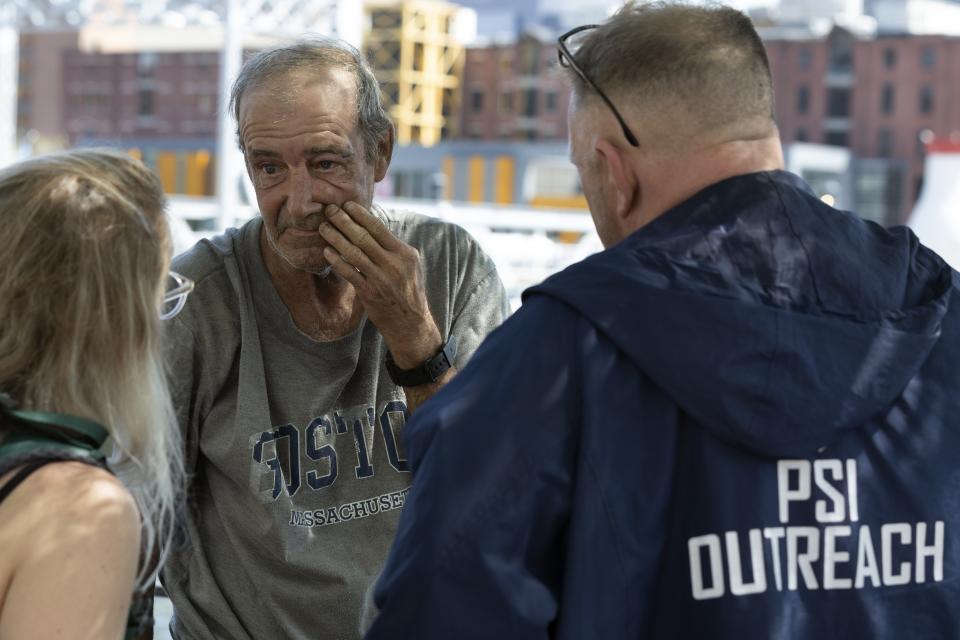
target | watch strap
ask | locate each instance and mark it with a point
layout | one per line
(429, 371)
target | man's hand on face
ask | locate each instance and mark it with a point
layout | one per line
(386, 274)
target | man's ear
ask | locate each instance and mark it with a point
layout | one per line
(384, 154)
(622, 176)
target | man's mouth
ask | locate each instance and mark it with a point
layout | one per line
(297, 231)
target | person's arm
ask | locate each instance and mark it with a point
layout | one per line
(480, 540)
(478, 311)
(75, 538)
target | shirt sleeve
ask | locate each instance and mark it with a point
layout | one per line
(479, 547)
(484, 309)
(463, 286)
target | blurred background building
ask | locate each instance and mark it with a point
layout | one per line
(513, 90)
(880, 83)
(863, 88)
(146, 76)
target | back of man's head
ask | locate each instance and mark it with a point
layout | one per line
(684, 76)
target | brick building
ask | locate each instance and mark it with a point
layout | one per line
(882, 97)
(147, 94)
(514, 92)
(162, 106)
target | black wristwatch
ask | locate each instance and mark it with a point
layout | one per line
(429, 371)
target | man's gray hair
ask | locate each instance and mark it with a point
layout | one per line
(317, 54)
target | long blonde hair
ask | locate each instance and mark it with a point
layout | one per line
(83, 260)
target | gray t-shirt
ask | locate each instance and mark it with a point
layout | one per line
(294, 446)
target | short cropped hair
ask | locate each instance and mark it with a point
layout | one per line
(705, 62)
(318, 54)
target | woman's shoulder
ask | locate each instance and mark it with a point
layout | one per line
(78, 500)
(71, 539)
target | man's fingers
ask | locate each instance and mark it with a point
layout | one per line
(372, 224)
(357, 234)
(342, 246)
(343, 268)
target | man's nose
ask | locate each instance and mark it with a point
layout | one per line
(300, 193)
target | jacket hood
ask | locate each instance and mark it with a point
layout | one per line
(773, 320)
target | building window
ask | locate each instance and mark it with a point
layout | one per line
(841, 57)
(928, 58)
(836, 139)
(804, 59)
(889, 58)
(838, 103)
(877, 187)
(530, 103)
(476, 100)
(550, 103)
(529, 58)
(801, 135)
(145, 102)
(887, 99)
(926, 100)
(146, 63)
(506, 102)
(885, 143)
(803, 99)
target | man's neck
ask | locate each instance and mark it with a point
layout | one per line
(682, 177)
(323, 307)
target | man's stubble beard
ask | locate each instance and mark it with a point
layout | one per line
(323, 272)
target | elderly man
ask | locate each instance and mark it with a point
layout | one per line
(316, 327)
(737, 421)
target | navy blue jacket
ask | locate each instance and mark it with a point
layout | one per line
(743, 421)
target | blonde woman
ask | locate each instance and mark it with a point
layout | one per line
(84, 282)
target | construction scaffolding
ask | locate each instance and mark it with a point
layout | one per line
(418, 59)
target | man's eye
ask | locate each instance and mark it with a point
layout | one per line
(269, 169)
(326, 165)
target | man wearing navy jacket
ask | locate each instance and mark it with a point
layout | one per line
(740, 420)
